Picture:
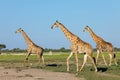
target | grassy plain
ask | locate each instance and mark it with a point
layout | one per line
(57, 63)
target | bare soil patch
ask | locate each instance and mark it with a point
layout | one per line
(34, 74)
(109, 75)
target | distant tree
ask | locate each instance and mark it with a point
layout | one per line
(62, 49)
(17, 50)
(47, 50)
(116, 49)
(95, 49)
(2, 46)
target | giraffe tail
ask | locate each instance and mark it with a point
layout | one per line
(94, 60)
(42, 52)
(41, 56)
(114, 56)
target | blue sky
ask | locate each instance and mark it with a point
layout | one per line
(37, 16)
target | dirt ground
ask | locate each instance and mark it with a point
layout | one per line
(34, 74)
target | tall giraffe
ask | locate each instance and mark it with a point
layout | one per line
(102, 45)
(77, 46)
(32, 47)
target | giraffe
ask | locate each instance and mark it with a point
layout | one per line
(77, 46)
(31, 47)
(102, 46)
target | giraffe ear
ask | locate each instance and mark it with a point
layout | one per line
(21, 29)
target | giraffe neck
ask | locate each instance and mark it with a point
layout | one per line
(94, 36)
(68, 34)
(27, 39)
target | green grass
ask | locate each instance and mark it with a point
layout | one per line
(57, 63)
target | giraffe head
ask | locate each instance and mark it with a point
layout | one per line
(19, 30)
(86, 28)
(55, 24)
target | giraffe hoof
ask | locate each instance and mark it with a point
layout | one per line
(67, 70)
(106, 64)
(109, 64)
(80, 70)
(96, 70)
(116, 64)
(76, 74)
(31, 64)
(77, 70)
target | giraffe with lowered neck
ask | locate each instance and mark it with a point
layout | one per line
(32, 47)
(77, 46)
(102, 45)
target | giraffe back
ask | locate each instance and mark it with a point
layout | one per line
(37, 49)
(105, 46)
(84, 47)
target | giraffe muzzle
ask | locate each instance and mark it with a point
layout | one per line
(15, 32)
(84, 30)
(52, 27)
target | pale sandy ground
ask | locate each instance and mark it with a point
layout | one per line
(34, 74)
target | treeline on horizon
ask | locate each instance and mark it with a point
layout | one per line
(62, 49)
(18, 50)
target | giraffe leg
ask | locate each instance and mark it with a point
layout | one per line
(110, 59)
(85, 59)
(104, 59)
(68, 60)
(76, 57)
(26, 58)
(43, 60)
(115, 61)
(93, 61)
(98, 52)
